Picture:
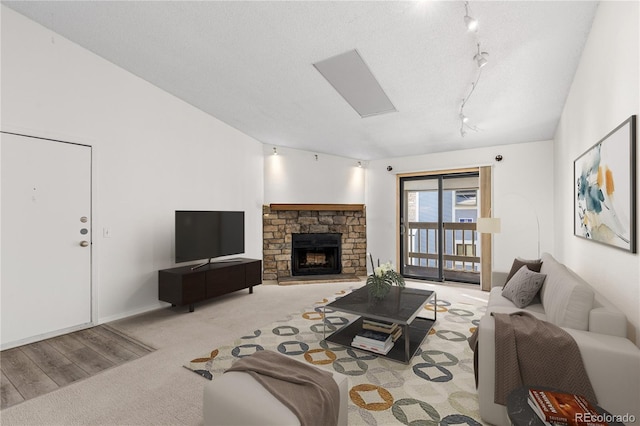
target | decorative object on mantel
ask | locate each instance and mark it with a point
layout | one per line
(605, 189)
(383, 277)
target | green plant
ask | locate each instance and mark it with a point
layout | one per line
(383, 278)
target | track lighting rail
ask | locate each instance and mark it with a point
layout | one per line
(481, 59)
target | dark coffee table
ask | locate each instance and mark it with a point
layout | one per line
(402, 306)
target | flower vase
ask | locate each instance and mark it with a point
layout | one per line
(378, 289)
(384, 276)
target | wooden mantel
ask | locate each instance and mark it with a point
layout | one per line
(318, 207)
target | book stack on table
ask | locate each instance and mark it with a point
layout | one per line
(559, 408)
(377, 336)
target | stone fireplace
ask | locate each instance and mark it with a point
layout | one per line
(314, 239)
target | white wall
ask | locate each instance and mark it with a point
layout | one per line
(295, 176)
(153, 154)
(522, 183)
(604, 93)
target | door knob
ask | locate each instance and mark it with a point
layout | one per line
(84, 243)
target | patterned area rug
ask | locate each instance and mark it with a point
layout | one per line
(437, 387)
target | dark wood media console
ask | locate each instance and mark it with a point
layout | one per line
(184, 286)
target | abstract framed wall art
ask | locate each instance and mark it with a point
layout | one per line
(605, 189)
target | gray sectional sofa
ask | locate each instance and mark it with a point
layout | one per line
(612, 361)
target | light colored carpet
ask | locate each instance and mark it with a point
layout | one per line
(436, 387)
(156, 389)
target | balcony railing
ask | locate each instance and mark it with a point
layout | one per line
(461, 248)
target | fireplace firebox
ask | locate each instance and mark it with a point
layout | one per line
(316, 254)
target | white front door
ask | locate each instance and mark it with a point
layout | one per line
(45, 238)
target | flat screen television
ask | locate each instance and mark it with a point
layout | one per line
(208, 234)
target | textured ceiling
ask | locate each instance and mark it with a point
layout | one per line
(250, 65)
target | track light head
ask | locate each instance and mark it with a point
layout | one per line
(481, 57)
(464, 118)
(481, 60)
(470, 22)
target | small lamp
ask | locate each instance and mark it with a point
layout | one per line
(488, 225)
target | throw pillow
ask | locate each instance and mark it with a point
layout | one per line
(523, 286)
(532, 265)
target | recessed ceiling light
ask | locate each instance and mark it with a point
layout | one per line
(353, 80)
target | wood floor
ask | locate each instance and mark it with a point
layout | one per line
(38, 368)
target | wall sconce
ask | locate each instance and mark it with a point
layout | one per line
(275, 151)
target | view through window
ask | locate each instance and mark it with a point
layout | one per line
(439, 240)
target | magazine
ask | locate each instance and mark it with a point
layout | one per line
(559, 408)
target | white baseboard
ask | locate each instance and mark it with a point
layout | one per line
(138, 311)
(44, 336)
(32, 339)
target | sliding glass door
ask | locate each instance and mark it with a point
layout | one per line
(438, 216)
(420, 227)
